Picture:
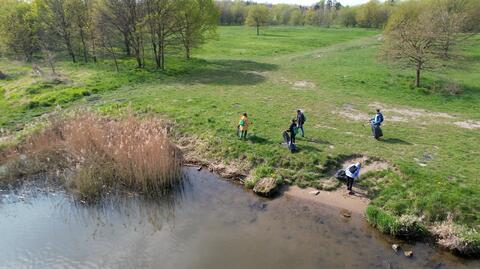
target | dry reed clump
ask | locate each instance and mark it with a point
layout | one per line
(456, 238)
(104, 154)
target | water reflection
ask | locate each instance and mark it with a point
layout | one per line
(208, 223)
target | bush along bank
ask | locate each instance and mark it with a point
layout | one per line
(459, 239)
(94, 155)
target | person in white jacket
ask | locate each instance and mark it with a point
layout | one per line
(352, 172)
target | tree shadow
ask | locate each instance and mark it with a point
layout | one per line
(226, 72)
(274, 35)
(308, 148)
(395, 141)
(258, 140)
(302, 148)
(315, 140)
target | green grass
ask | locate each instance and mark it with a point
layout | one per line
(240, 72)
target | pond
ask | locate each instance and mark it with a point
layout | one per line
(211, 223)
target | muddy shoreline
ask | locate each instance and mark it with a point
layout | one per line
(338, 198)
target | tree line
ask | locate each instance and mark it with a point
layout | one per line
(324, 13)
(84, 29)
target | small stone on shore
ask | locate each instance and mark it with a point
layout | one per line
(315, 192)
(395, 247)
(408, 253)
(345, 213)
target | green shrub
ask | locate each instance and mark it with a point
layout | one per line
(407, 226)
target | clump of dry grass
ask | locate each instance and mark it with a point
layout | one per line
(456, 238)
(103, 154)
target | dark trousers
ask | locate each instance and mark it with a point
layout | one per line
(300, 126)
(292, 138)
(243, 134)
(349, 183)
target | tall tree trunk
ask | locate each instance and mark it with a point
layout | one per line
(28, 57)
(142, 50)
(94, 51)
(114, 58)
(84, 44)
(126, 42)
(417, 80)
(156, 54)
(161, 47)
(187, 50)
(446, 49)
(258, 29)
(138, 57)
(70, 49)
(163, 59)
(51, 62)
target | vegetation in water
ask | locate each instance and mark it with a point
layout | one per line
(96, 155)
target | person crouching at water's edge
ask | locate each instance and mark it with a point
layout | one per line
(352, 172)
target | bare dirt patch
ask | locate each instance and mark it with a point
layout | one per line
(6, 138)
(469, 124)
(368, 164)
(410, 113)
(338, 199)
(353, 114)
(405, 114)
(319, 126)
(303, 84)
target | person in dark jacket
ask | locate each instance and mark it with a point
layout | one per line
(376, 123)
(300, 121)
(292, 130)
(378, 119)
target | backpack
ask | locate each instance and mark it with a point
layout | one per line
(242, 123)
(353, 169)
(380, 118)
(304, 119)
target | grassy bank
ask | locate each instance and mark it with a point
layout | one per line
(335, 75)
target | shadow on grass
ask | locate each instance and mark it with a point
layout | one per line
(395, 141)
(316, 140)
(259, 140)
(227, 72)
(307, 148)
(274, 35)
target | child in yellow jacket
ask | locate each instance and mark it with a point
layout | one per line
(243, 126)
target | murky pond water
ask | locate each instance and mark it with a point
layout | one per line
(211, 224)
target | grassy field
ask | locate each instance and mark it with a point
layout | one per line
(335, 75)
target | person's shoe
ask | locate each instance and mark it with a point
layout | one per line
(351, 193)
